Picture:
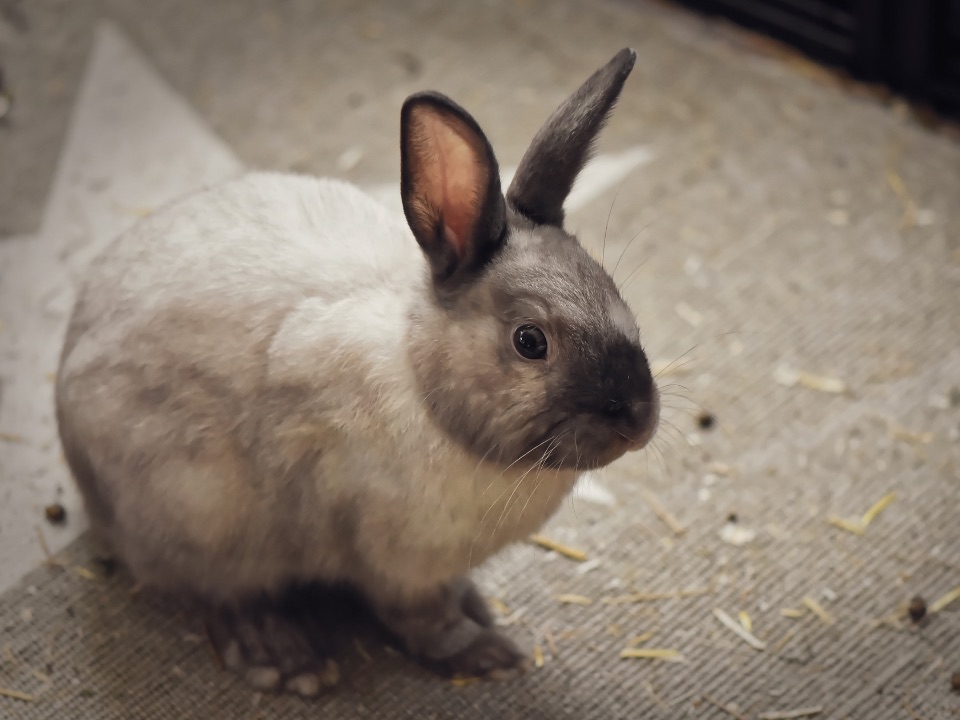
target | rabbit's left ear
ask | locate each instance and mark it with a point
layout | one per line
(563, 145)
(450, 187)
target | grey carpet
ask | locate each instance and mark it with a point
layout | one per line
(788, 223)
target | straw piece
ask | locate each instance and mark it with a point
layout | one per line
(739, 631)
(817, 609)
(565, 550)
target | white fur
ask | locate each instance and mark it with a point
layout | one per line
(325, 279)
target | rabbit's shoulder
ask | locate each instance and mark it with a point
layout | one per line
(261, 236)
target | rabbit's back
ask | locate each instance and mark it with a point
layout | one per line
(255, 240)
(212, 277)
(186, 333)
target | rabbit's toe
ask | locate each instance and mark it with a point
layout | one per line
(491, 655)
(270, 651)
(450, 631)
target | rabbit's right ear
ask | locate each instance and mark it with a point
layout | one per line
(450, 187)
(563, 145)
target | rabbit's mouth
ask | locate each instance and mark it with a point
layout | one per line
(590, 441)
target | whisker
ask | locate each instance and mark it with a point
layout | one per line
(539, 477)
(671, 365)
(661, 388)
(676, 395)
(627, 280)
(668, 426)
(686, 411)
(499, 497)
(674, 368)
(606, 226)
(631, 277)
(664, 465)
(446, 386)
(577, 457)
(658, 455)
(669, 439)
(627, 247)
(508, 504)
(669, 398)
(477, 468)
(507, 468)
(546, 505)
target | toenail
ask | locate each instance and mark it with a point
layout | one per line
(232, 657)
(330, 674)
(307, 684)
(264, 678)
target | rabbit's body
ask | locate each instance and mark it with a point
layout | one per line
(269, 384)
(281, 358)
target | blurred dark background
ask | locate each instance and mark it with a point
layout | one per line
(909, 46)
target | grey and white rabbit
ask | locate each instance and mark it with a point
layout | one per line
(277, 381)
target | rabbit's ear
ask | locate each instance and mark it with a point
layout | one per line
(563, 145)
(450, 187)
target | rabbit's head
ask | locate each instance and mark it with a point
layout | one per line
(525, 351)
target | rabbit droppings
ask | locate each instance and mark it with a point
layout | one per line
(267, 383)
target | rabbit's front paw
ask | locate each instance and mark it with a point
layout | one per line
(490, 655)
(450, 632)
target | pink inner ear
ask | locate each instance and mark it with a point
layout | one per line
(451, 176)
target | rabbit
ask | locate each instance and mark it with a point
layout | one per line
(278, 381)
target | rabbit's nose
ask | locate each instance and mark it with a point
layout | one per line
(641, 421)
(613, 408)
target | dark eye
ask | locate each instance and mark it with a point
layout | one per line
(530, 342)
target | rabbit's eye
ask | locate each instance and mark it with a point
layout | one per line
(530, 342)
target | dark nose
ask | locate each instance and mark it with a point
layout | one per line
(615, 408)
(646, 417)
(636, 420)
